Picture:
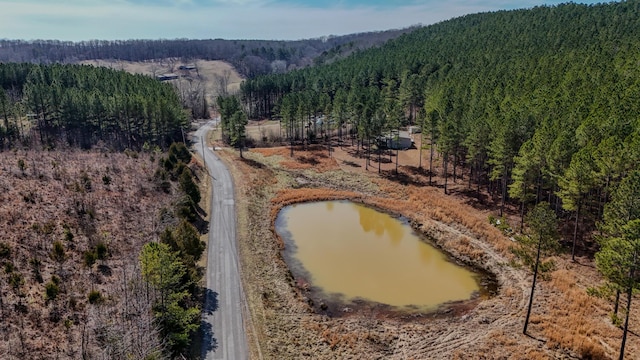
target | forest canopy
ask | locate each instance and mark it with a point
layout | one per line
(85, 105)
(538, 104)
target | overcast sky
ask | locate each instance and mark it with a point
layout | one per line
(228, 19)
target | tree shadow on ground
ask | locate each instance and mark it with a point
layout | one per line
(105, 270)
(199, 222)
(206, 334)
(477, 200)
(209, 342)
(210, 301)
(358, 154)
(383, 159)
(311, 160)
(402, 178)
(252, 163)
(351, 163)
(414, 170)
(534, 338)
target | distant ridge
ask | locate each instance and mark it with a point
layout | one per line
(249, 57)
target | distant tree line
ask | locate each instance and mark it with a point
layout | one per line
(85, 105)
(249, 57)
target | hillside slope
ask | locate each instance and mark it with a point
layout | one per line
(55, 208)
(537, 104)
(250, 57)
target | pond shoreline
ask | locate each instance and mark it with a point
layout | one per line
(336, 305)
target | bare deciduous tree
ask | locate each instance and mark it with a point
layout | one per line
(221, 83)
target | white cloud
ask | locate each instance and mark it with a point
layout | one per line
(230, 19)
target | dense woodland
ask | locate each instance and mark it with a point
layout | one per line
(249, 57)
(532, 105)
(85, 105)
(536, 104)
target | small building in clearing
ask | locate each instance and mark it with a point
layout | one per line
(400, 140)
(167, 77)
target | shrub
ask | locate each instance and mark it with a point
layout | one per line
(57, 253)
(5, 250)
(186, 209)
(16, 280)
(106, 180)
(189, 187)
(22, 165)
(95, 297)
(36, 264)
(102, 251)
(170, 162)
(89, 258)
(85, 181)
(51, 290)
(180, 151)
(177, 171)
(615, 319)
(68, 235)
(161, 180)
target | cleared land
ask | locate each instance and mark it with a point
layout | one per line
(566, 322)
(77, 200)
(208, 71)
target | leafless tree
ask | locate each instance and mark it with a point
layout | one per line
(155, 67)
(126, 331)
(221, 83)
(193, 96)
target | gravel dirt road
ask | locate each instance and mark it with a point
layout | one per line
(224, 333)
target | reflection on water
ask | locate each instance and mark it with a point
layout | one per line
(358, 252)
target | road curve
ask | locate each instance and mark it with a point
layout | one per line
(222, 321)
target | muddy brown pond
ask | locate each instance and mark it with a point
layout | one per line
(349, 252)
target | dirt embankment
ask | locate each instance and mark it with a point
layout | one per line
(565, 323)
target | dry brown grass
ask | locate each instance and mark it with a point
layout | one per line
(427, 203)
(315, 157)
(274, 151)
(574, 319)
(503, 346)
(292, 196)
